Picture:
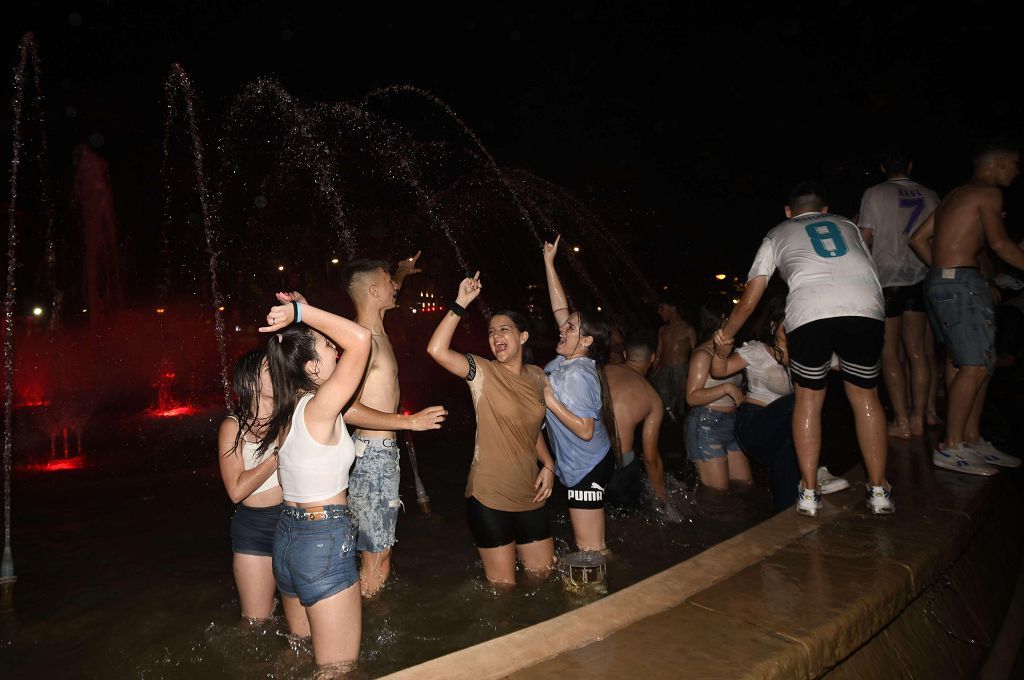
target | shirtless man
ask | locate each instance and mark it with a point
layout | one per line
(676, 340)
(374, 417)
(950, 241)
(634, 402)
(834, 305)
(889, 212)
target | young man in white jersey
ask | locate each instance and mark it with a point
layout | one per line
(889, 213)
(834, 306)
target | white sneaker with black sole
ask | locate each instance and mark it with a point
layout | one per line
(827, 483)
(993, 456)
(961, 458)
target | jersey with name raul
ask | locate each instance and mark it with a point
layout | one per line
(893, 210)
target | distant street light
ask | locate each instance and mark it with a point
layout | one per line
(334, 260)
(280, 268)
(37, 311)
(720, 277)
(575, 249)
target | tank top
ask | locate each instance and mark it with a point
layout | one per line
(249, 462)
(767, 379)
(736, 379)
(311, 471)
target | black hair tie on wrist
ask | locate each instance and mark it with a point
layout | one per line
(456, 308)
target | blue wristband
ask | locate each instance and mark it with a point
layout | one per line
(298, 311)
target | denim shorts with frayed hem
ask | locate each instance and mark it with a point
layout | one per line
(962, 304)
(710, 434)
(315, 559)
(373, 493)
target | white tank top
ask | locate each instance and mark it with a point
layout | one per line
(736, 379)
(311, 471)
(249, 462)
(767, 379)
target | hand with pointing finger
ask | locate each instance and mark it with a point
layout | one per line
(469, 290)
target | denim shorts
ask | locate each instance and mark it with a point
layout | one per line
(710, 434)
(315, 559)
(252, 529)
(373, 493)
(962, 304)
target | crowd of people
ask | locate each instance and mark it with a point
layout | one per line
(310, 455)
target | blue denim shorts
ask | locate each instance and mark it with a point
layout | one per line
(252, 529)
(962, 304)
(314, 559)
(710, 434)
(373, 493)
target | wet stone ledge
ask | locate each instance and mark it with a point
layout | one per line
(918, 594)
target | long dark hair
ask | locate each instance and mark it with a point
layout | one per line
(600, 333)
(522, 325)
(245, 379)
(712, 316)
(770, 313)
(287, 354)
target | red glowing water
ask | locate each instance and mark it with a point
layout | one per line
(76, 463)
(183, 410)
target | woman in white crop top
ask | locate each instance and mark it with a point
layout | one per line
(314, 545)
(710, 441)
(252, 485)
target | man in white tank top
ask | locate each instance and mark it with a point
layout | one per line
(834, 305)
(889, 213)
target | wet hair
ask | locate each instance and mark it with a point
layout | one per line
(988, 148)
(712, 316)
(245, 380)
(601, 334)
(522, 325)
(896, 161)
(640, 344)
(772, 313)
(287, 354)
(807, 195)
(357, 267)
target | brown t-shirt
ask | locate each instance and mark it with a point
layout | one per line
(509, 413)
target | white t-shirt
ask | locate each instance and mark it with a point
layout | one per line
(826, 265)
(893, 210)
(767, 379)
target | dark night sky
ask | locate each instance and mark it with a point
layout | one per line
(682, 123)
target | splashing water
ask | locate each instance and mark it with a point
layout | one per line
(179, 83)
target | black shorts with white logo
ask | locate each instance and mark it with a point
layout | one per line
(856, 339)
(588, 493)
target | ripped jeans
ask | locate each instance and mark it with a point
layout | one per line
(710, 434)
(373, 494)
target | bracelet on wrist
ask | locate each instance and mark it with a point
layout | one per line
(297, 308)
(456, 309)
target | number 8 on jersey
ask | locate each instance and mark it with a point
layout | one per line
(827, 239)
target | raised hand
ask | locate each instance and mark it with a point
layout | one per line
(469, 290)
(279, 317)
(550, 249)
(285, 298)
(408, 265)
(430, 418)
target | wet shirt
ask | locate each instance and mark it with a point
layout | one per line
(767, 379)
(893, 210)
(311, 471)
(826, 265)
(509, 413)
(577, 386)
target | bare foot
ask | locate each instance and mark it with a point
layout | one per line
(901, 430)
(917, 427)
(933, 419)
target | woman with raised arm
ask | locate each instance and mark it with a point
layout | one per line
(512, 472)
(252, 486)
(579, 407)
(710, 424)
(315, 543)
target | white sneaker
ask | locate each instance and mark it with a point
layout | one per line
(808, 501)
(829, 484)
(880, 500)
(962, 459)
(994, 456)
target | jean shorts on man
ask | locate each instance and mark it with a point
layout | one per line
(962, 303)
(710, 434)
(315, 559)
(252, 529)
(373, 493)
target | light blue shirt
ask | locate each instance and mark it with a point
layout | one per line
(577, 386)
